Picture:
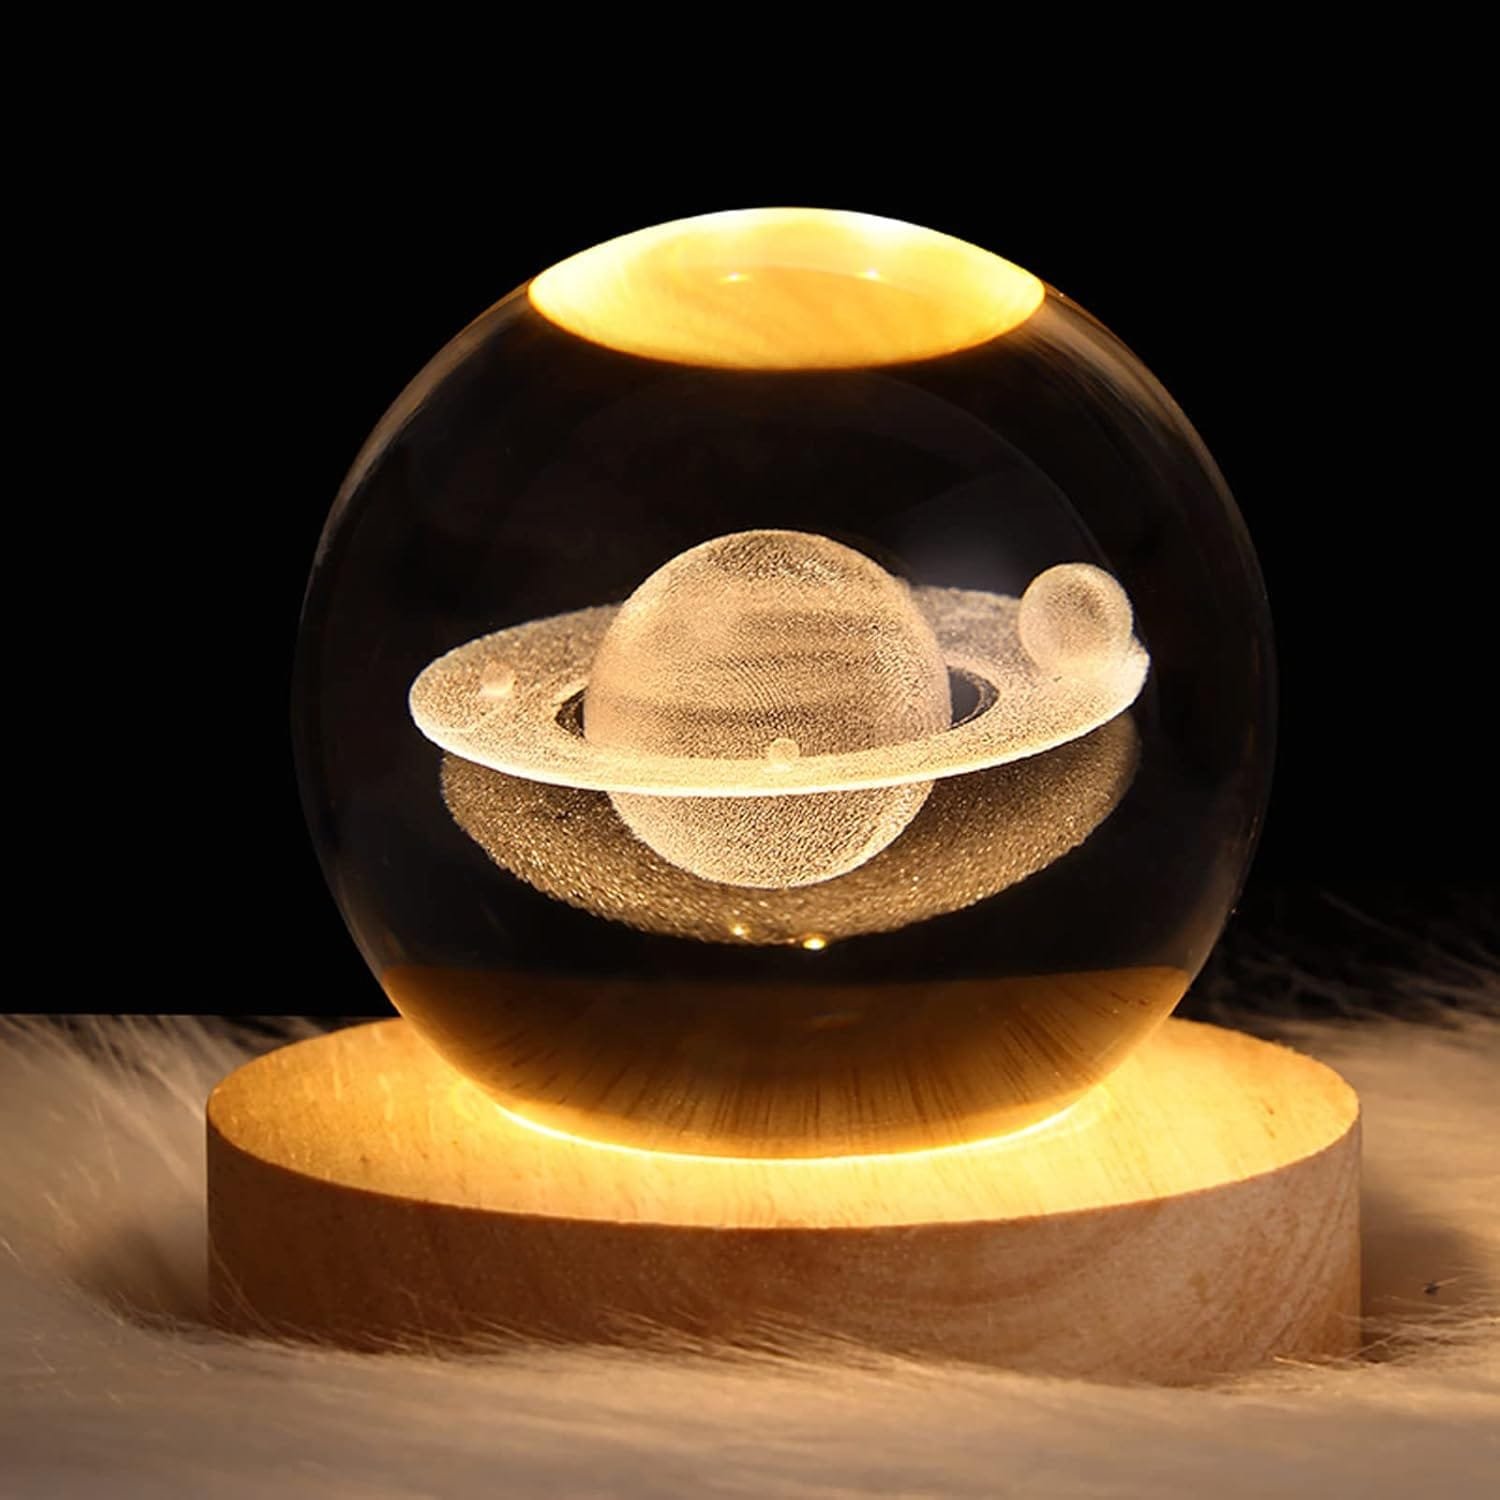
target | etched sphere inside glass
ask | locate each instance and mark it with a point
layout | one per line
(784, 683)
(774, 644)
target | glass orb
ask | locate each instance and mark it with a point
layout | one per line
(784, 683)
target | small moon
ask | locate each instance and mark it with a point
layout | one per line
(782, 752)
(1075, 619)
(498, 681)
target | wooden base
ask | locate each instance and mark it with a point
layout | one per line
(1195, 1216)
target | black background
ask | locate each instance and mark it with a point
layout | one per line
(1298, 294)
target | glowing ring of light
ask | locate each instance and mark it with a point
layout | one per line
(501, 702)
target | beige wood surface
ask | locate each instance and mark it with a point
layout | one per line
(1195, 1215)
(839, 1070)
(786, 289)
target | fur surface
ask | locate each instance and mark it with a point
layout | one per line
(111, 1385)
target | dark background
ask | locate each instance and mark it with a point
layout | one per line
(1297, 294)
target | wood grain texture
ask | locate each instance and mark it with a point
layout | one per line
(1195, 1216)
(786, 289)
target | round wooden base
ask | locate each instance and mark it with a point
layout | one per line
(1196, 1215)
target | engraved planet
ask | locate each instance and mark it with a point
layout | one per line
(770, 709)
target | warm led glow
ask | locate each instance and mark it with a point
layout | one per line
(787, 288)
(335, 1096)
(1083, 1114)
(805, 1065)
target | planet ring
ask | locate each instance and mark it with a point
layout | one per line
(504, 701)
(974, 837)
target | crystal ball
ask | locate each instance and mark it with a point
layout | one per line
(785, 683)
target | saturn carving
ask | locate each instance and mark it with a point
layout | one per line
(771, 709)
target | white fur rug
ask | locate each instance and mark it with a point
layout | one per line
(110, 1387)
